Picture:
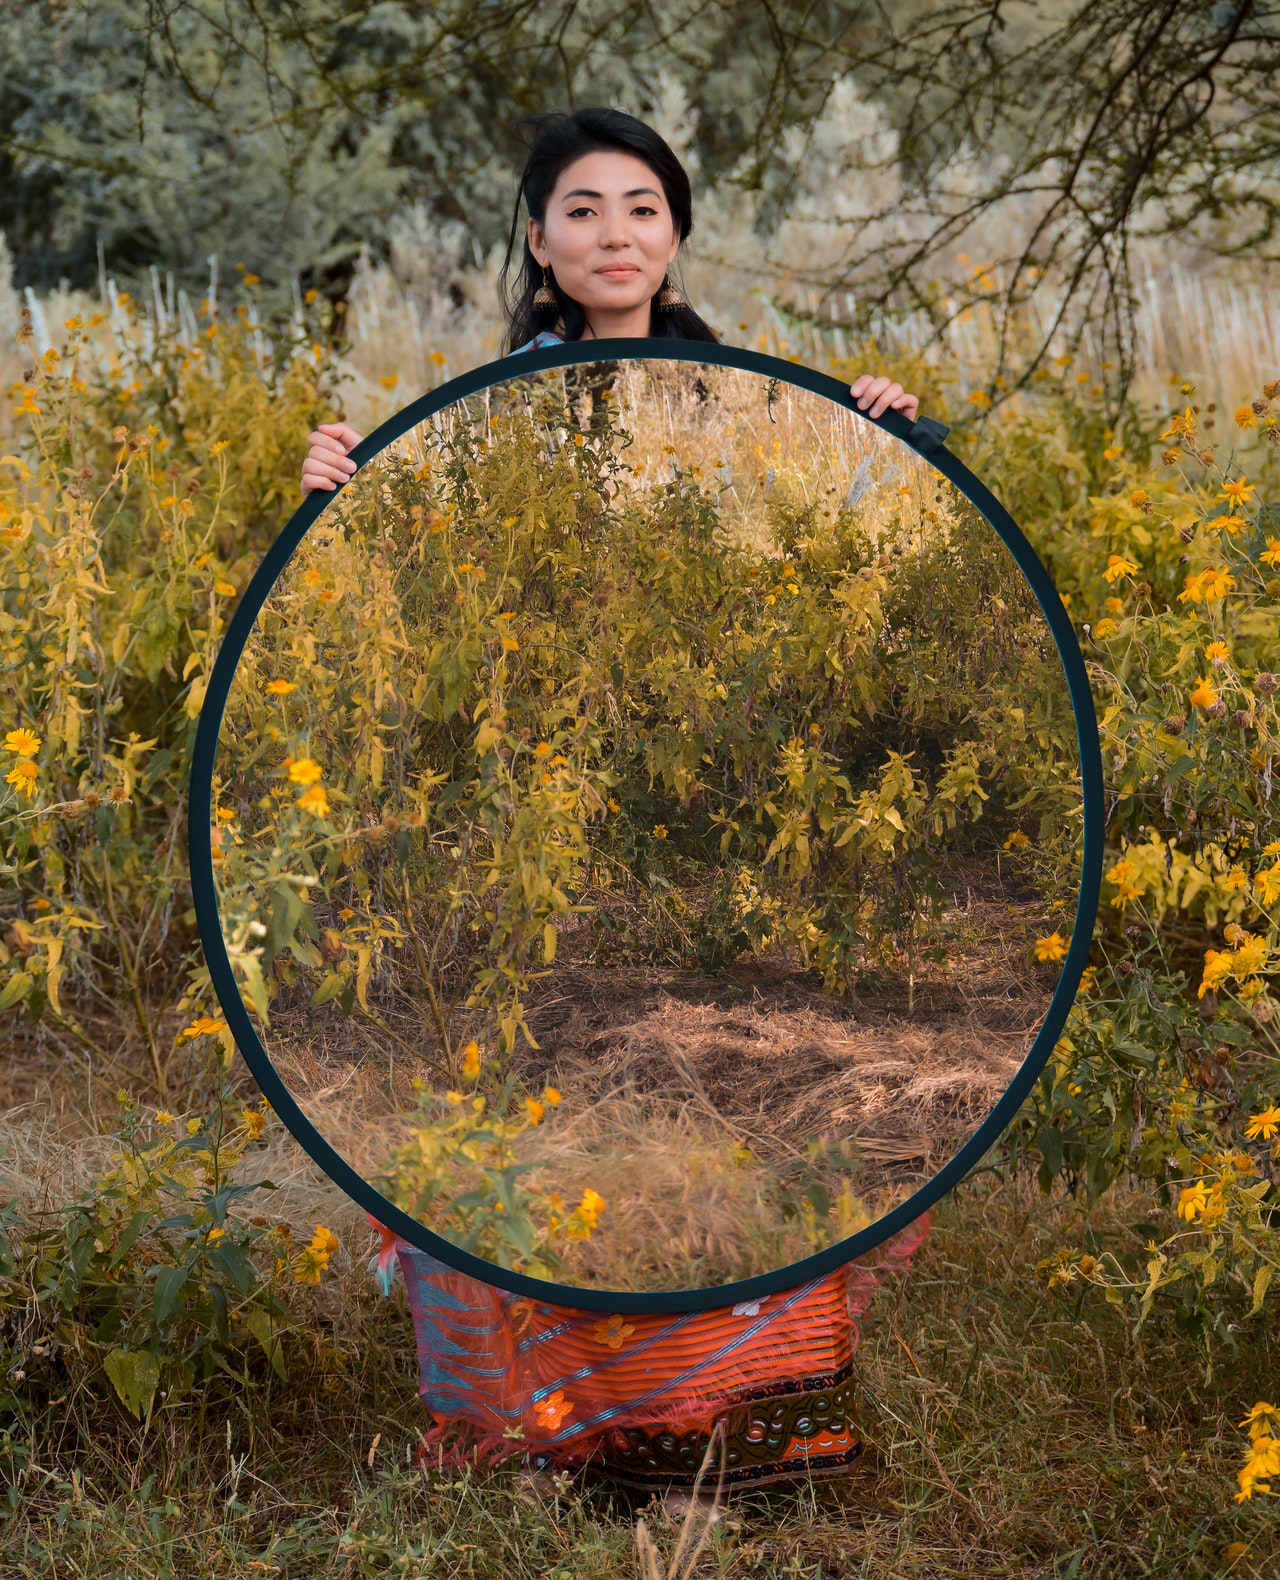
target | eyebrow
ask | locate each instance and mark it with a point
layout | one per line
(585, 192)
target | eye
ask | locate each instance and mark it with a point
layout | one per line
(645, 210)
(581, 212)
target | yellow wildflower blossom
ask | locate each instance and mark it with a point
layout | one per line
(1051, 948)
(1268, 884)
(1191, 1201)
(1263, 1126)
(315, 801)
(1218, 966)
(1271, 554)
(22, 742)
(1217, 653)
(280, 688)
(1245, 417)
(305, 771)
(1118, 566)
(1204, 696)
(22, 776)
(471, 1061)
(206, 1026)
(1237, 492)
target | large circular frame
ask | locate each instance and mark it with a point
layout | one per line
(926, 439)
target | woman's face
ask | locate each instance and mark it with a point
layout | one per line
(608, 234)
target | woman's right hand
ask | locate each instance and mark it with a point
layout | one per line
(327, 463)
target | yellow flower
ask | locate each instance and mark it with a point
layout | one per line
(1237, 492)
(305, 771)
(659, 831)
(1268, 884)
(254, 1122)
(1139, 498)
(1112, 451)
(163, 1116)
(22, 776)
(1218, 966)
(227, 589)
(280, 688)
(193, 1127)
(324, 1241)
(1263, 1126)
(1271, 554)
(510, 645)
(542, 749)
(534, 1109)
(1124, 875)
(1118, 566)
(1216, 653)
(1051, 948)
(206, 1026)
(22, 742)
(1191, 1201)
(471, 1061)
(1207, 585)
(1016, 841)
(1115, 605)
(980, 399)
(1105, 627)
(551, 1096)
(592, 1204)
(1204, 696)
(1245, 417)
(315, 801)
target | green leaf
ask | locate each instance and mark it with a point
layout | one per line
(169, 1282)
(1049, 1141)
(135, 1376)
(230, 1260)
(263, 1327)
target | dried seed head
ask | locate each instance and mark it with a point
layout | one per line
(1174, 724)
(1261, 407)
(1184, 559)
(1170, 456)
(1271, 390)
(1265, 682)
(1186, 533)
(1207, 457)
(1216, 710)
(1242, 718)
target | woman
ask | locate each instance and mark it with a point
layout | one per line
(609, 206)
(635, 1396)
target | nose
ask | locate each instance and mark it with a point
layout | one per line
(616, 230)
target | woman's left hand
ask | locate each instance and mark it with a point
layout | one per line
(881, 395)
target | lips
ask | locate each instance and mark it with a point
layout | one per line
(618, 273)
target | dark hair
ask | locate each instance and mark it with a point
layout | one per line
(558, 141)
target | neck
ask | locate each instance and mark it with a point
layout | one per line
(627, 323)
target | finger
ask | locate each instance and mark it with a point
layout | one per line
(342, 431)
(908, 405)
(320, 471)
(331, 455)
(320, 440)
(871, 392)
(859, 384)
(885, 398)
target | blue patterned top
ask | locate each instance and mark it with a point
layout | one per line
(544, 337)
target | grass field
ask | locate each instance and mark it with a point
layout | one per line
(1006, 1434)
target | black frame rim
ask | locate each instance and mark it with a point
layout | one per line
(204, 888)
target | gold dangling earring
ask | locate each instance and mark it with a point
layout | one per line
(544, 296)
(670, 296)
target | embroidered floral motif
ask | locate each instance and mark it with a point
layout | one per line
(613, 1331)
(520, 1315)
(552, 1410)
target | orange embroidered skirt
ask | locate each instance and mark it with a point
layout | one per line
(637, 1397)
